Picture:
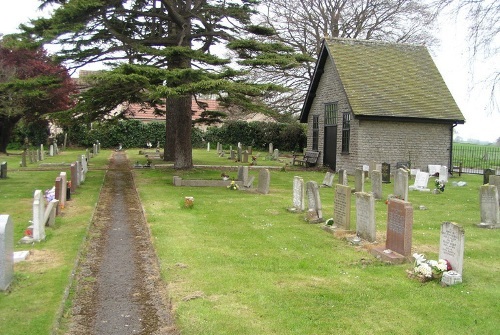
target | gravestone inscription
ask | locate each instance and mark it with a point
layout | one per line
(452, 244)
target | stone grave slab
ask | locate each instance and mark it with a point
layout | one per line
(365, 216)
(264, 181)
(421, 181)
(342, 207)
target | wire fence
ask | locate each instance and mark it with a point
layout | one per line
(474, 159)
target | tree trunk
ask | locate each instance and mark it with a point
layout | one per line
(169, 148)
(178, 132)
(6, 127)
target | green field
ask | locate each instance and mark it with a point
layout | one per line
(239, 263)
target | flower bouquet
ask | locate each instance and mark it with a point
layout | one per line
(426, 269)
(439, 186)
(233, 186)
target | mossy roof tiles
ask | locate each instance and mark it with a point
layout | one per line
(389, 80)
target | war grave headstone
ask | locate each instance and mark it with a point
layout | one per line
(421, 181)
(365, 216)
(264, 181)
(298, 195)
(486, 175)
(376, 179)
(452, 245)
(359, 180)
(401, 184)
(328, 180)
(399, 233)
(386, 173)
(343, 177)
(315, 210)
(443, 174)
(6, 251)
(3, 170)
(342, 207)
(488, 202)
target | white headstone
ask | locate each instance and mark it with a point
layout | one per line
(490, 211)
(208, 146)
(443, 174)
(51, 150)
(433, 169)
(298, 194)
(451, 245)
(64, 187)
(38, 215)
(6, 251)
(421, 181)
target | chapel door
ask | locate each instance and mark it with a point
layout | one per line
(330, 136)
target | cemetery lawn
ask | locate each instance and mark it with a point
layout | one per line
(35, 298)
(239, 263)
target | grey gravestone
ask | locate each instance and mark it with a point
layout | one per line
(243, 173)
(249, 149)
(328, 180)
(51, 150)
(377, 184)
(342, 207)
(6, 251)
(386, 173)
(271, 148)
(30, 156)
(486, 175)
(264, 181)
(359, 180)
(276, 154)
(42, 153)
(245, 157)
(401, 184)
(38, 214)
(239, 153)
(231, 154)
(94, 149)
(23, 159)
(488, 201)
(298, 195)
(365, 216)
(421, 181)
(37, 157)
(249, 182)
(495, 180)
(3, 170)
(78, 173)
(452, 244)
(343, 177)
(315, 210)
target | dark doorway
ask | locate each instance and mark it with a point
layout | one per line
(330, 147)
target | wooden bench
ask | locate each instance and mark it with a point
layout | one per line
(310, 158)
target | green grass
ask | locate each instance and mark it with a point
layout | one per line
(239, 263)
(34, 299)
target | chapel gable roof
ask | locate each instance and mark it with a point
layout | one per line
(387, 80)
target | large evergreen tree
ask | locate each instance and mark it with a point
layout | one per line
(163, 50)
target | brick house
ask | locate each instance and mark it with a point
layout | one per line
(377, 101)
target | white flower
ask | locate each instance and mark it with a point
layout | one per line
(442, 265)
(432, 263)
(419, 258)
(424, 269)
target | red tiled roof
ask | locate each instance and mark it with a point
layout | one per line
(146, 113)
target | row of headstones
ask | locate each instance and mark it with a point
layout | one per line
(399, 222)
(34, 156)
(241, 155)
(490, 203)
(42, 216)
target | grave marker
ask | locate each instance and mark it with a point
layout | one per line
(3, 170)
(443, 174)
(451, 245)
(276, 154)
(243, 173)
(401, 184)
(490, 212)
(264, 181)
(38, 214)
(51, 150)
(74, 176)
(23, 159)
(433, 169)
(359, 180)
(421, 181)
(486, 175)
(315, 210)
(377, 184)
(328, 180)
(342, 207)
(6, 251)
(298, 195)
(343, 177)
(64, 183)
(386, 173)
(42, 153)
(271, 148)
(365, 216)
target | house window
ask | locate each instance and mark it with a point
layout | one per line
(346, 132)
(315, 132)
(331, 110)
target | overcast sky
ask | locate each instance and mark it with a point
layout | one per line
(451, 57)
